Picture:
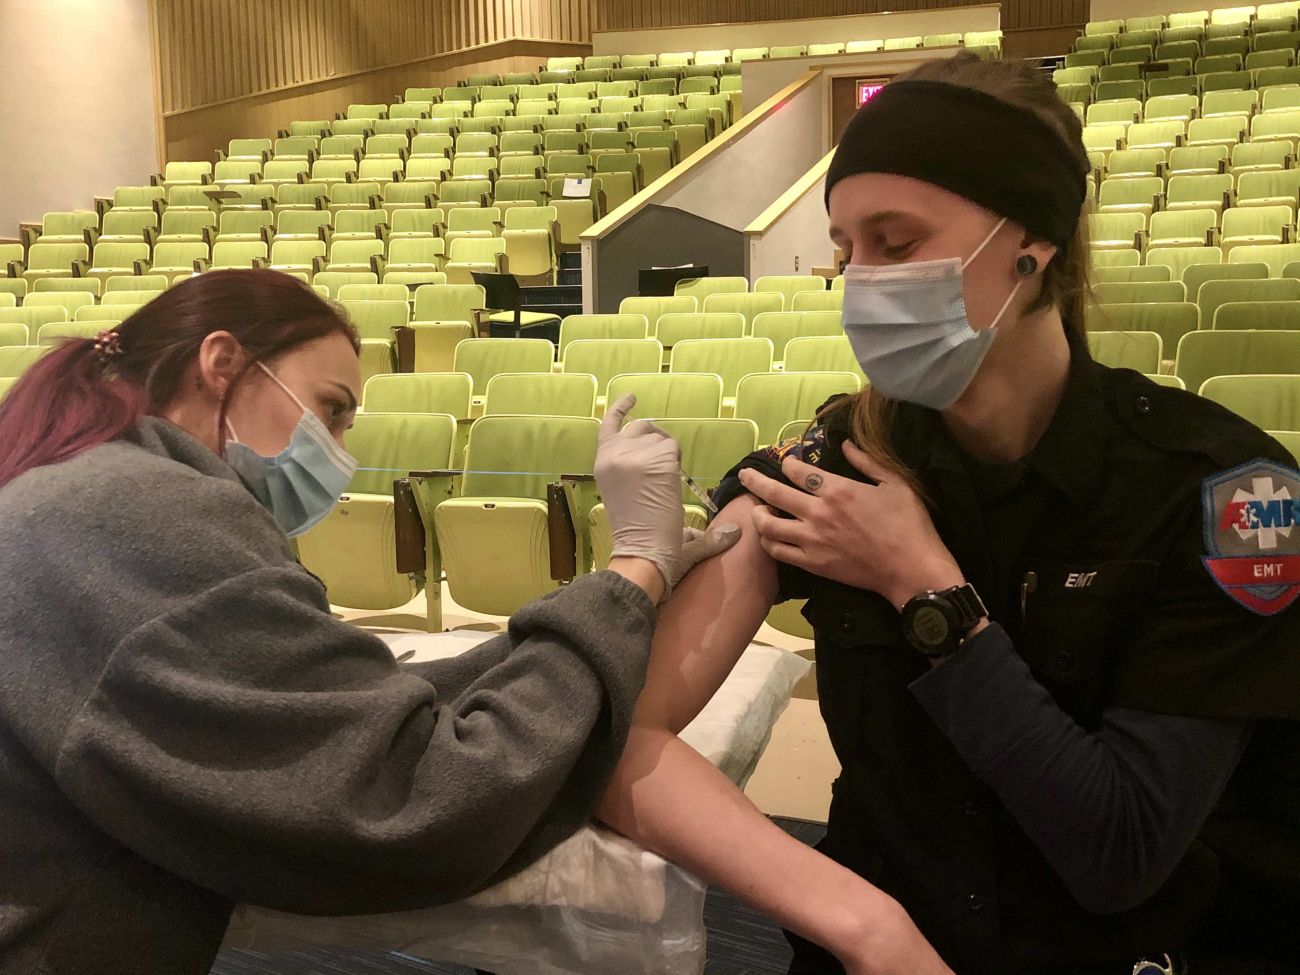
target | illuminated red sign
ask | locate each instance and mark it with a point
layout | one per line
(868, 90)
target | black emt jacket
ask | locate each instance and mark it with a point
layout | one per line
(1089, 555)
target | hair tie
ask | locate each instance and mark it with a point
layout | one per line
(108, 346)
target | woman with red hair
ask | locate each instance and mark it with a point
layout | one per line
(183, 724)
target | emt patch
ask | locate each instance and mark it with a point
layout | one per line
(1252, 534)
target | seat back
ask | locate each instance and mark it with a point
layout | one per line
(607, 358)
(1170, 320)
(517, 456)
(1270, 402)
(1214, 294)
(577, 327)
(388, 446)
(731, 359)
(419, 392)
(1204, 354)
(485, 358)
(772, 400)
(782, 326)
(701, 288)
(659, 395)
(16, 359)
(677, 327)
(820, 353)
(377, 319)
(542, 394)
(1139, 351)
(710, 447)
(1258, 314)
(449, 302)
(653, 308)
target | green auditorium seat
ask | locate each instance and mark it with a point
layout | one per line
(577, 327)
(1170, 320)
(783, 326)
(500, 510)
(541, 394)
(16, 359)
(352, 549)
(1273, 315)
(1204, 354)
(606, 358)
(1139, 351)
(664, 395)
(446, 392)
(773, 400)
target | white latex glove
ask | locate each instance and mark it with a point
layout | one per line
(639, 473)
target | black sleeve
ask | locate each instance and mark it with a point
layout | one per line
(1113, 812)
(812, 448)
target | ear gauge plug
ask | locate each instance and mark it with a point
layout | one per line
(1026, 265)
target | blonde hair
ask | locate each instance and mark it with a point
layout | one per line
(1065, 278)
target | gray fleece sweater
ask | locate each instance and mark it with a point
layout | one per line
(183, 725)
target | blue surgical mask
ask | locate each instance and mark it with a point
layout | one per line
(301, 484)
(908, 328)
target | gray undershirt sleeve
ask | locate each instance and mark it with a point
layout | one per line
(1113, 811)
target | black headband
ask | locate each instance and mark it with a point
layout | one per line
(1002, 157)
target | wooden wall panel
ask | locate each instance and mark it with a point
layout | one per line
(215, 52)
(634, 14)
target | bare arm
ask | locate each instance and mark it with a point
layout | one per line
(667, 797)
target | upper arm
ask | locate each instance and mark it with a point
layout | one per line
(703, 629)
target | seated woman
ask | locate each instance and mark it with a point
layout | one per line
(1057, 653)
(183, 723)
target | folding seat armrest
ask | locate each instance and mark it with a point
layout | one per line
(1288, 233)
(282, 133)
(201, 264)
(209, 235)
(432, 488)
(339, 116)
(382, 230)
(409, 532)
(80, 268)
(150, 236)
(1140, 240)
(261, 263)
(141, 266)
(16, 269)
(318, 264)
(562, 534)
(105, 203)
(377, 265)
(254, 179)
(156, 179)
(1227, 199)
(582, 494)
(375, 202)
(1212, 236)
(205, 179)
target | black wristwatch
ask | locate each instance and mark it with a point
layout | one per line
(937, 623)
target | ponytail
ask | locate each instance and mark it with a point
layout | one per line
(63, 404)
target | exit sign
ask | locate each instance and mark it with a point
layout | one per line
(868, 90)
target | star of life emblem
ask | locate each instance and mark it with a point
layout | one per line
(1252, 534)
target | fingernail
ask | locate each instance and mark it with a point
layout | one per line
(726, 531)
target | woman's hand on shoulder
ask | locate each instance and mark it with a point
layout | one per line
(878, 537)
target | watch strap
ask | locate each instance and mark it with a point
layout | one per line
(968, 603)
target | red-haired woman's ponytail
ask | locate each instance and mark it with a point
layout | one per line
(63, 404)
(86, 392)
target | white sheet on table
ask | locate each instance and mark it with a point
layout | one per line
(597, 904)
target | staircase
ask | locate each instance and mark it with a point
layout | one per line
(563, 298)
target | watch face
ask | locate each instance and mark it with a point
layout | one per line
(929, 626)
